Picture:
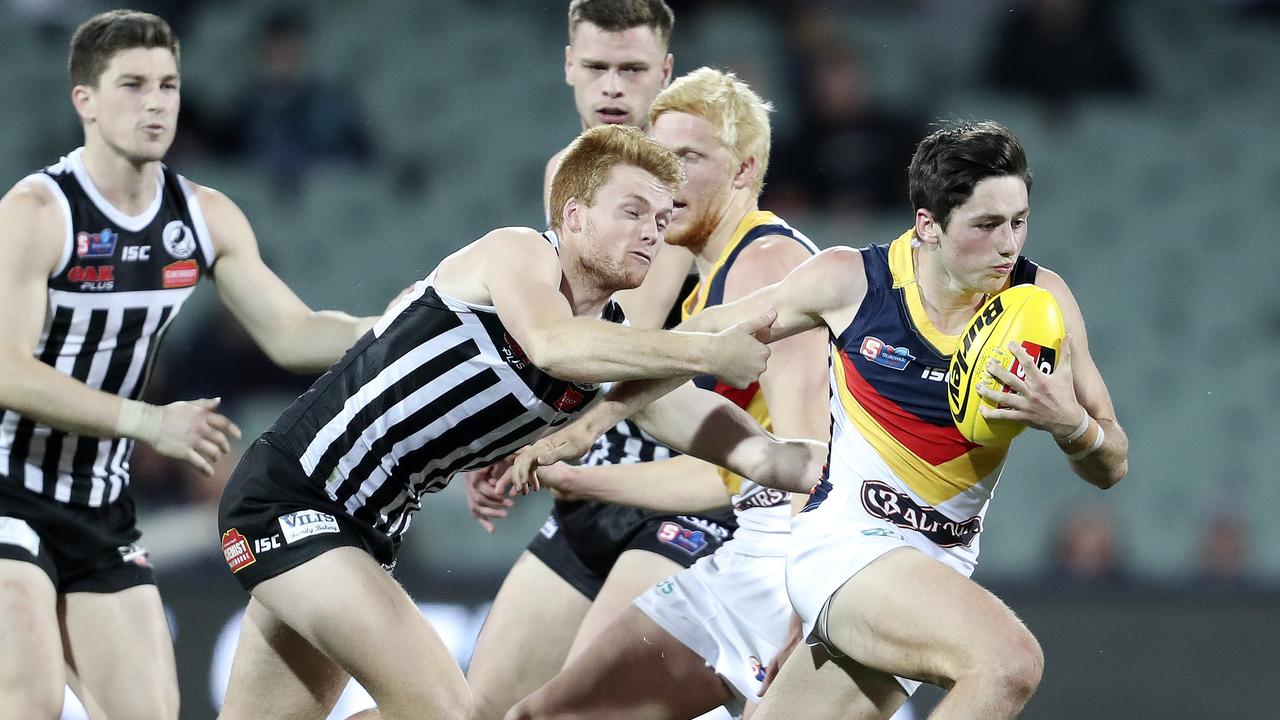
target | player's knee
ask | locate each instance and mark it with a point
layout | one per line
(1025, 666)
(1017, 671)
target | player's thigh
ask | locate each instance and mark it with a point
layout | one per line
(276, 673)
(816, 686)
(347, 607)
(120, 652)
(910, 615)
(525, 638)
(635, 572)
(31, 666)
(631, 669)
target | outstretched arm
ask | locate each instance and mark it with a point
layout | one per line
(293, 335)
(681, 484)
(709, 427)
(522, 276)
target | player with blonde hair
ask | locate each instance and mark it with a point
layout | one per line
(708, 635)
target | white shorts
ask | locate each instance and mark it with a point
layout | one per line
(729, 608)
(833, 542)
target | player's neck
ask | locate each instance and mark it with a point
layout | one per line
(582, 288)
(740, 204)
(130, 187)
(948, 305)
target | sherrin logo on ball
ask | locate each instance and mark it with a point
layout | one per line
(1026, 314)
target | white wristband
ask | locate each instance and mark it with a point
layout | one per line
(1080, 430)
(1097, 443)
(140, 421)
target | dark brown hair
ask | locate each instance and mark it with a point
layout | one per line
(949, 162)
(619, 15)
(100, 37)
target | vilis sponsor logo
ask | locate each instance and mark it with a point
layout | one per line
(955, 383)
(884, 502)
(303, 524)
(513, 353)
(690, 541)
(894, 358)
(135, 253)
(235, 550)
(96, 245)
(183, 273)
(93, 278)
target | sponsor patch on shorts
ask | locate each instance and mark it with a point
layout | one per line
(690, 541)
(235, 550)
(303, 524)
(135, 554)
(17, 532)
(549, 528)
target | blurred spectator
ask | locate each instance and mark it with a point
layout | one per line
(1057, 50)
(1085, 550)
(1224, 551)
(291, 120)
(849, 155)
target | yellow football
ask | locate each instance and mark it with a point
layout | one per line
(1026, 314)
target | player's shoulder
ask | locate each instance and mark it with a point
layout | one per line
(30, 194)
(840, 261)
(31, 209)
(1057, 286)
(516, 245)
(210, 199)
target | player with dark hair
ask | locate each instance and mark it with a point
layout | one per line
(97, 255)
(880, 557)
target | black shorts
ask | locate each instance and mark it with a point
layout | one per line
(273, 518)
(582, 540)
(81, 549)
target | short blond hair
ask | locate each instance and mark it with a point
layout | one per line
(591, 157)
(740, 116)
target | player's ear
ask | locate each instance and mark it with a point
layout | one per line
(571, 218)
(568, 65)
(668, 65)
(927, 228)
(746, 173)
(82, 101)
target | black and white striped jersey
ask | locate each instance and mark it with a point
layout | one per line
(119, 284)
(627, 442)
(438, 386)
